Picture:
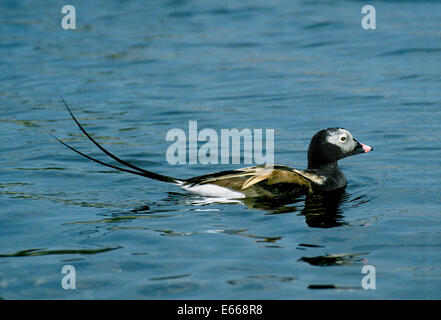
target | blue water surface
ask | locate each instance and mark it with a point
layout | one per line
(131, 71)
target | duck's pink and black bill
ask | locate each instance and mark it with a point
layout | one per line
(366, 148)
(362, 148)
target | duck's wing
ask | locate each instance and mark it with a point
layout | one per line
(260, 180)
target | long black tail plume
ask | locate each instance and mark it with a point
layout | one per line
(139, 171)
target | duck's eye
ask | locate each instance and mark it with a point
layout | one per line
(343, 139)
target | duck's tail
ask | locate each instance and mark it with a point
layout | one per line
(136, 170)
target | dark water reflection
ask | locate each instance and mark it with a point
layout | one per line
(324, 210)
(321, 210)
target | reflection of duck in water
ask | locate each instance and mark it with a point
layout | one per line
(321, 209)
(322, 175)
